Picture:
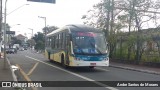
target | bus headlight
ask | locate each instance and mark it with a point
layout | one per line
(106, 51)
(78, 59)
(105, 59)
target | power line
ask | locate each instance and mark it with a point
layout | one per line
(137, 10)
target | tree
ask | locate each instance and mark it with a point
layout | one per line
(104, 16)
(39, 45)
(31, 42)
(14, 40)
(49, 29)
(113, 16)
(39, 40)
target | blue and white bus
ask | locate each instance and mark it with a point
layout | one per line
(77, 46)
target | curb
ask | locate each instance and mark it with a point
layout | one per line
(13, 74)
(134, 69)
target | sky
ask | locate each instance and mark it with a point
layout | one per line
(61, 13)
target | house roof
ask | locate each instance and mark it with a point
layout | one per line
(21, 37)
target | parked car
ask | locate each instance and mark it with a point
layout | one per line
(7, 50)
(10, 51)
(21, 49)
(25, 48)
(15, 50)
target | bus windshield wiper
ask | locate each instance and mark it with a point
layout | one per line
(96, 47)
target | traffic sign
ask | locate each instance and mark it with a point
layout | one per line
(44, 1)
(10, 32)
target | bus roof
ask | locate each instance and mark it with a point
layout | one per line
(73, 28)
(83, 28)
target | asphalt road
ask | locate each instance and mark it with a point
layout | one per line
(51, 71)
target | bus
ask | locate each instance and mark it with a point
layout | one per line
(77, 46)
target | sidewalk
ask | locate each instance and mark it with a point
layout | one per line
(139, 68)
(5, 73)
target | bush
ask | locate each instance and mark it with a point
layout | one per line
(151, 58)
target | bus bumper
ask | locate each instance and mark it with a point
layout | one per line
(89, 63)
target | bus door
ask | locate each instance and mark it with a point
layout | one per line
(68, 48)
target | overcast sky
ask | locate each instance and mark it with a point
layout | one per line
(62, 13)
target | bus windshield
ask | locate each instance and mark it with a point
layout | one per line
(89, 43)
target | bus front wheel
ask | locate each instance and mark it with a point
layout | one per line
(49, 57)
(63, 62)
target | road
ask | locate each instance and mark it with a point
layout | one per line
(51, 71)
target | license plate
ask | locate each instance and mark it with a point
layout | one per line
(93, 64)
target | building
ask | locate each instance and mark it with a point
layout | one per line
(22, 38)
(8, 38)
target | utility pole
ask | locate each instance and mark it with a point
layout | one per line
(0, 18)
(0, 26)
(4, 33)
(45, 29)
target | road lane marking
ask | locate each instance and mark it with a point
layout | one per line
(23, 73)
(33, 68)
(25, 76)
(13, 74)
(75, 74)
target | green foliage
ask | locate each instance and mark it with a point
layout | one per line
(126, 45)
(39, 40)
(39, 36)
(131, 40)
(49, 29)
(16, 41)
(146, 58)
(133, 55)
(39, 45)
(123, 55)
(31, 42)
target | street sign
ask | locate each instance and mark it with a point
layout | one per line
(44, 1)
(10, 32)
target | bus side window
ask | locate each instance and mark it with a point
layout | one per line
(50, 40)
(60, 41)
(47, 42)
(65, 43)
(52, 43)
(68, 41)
(56, 42)
(62, 36)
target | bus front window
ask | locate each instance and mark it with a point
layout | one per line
(89, 43)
